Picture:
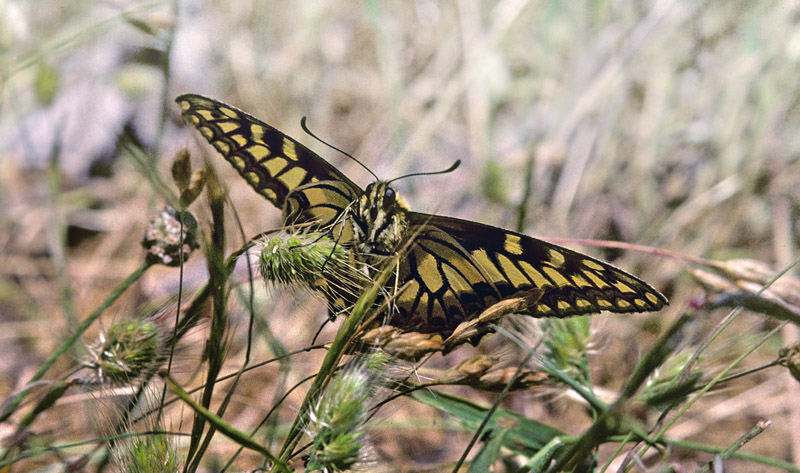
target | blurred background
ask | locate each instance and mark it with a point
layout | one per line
(671, 124)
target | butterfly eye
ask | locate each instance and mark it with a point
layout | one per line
(389, 197)
(373, 211)
(369, 188)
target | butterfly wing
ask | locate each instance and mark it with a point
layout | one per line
(455, 269)
(306, 187)
(275, 165)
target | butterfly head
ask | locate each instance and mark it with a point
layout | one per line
(381, 218)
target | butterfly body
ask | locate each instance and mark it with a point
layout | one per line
(381, 220)
(451, 269)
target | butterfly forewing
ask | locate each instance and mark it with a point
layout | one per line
(271, 162)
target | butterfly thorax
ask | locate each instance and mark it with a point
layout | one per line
(380, 220)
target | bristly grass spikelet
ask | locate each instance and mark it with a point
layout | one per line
(337, 419)
(298, 257)
(147, 453)
(311, 259)
(129, 348)
(567, 344)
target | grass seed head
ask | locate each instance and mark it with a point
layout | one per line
(166, 240)
(299, 258)
(151, 453)
(337, 420)
(126, 350)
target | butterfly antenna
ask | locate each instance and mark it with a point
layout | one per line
(305, 128)
(433, 173)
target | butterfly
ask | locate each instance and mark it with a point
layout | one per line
(452, 269)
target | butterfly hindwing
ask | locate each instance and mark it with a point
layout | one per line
(456, 268)
(325, 202)
(271, 162)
